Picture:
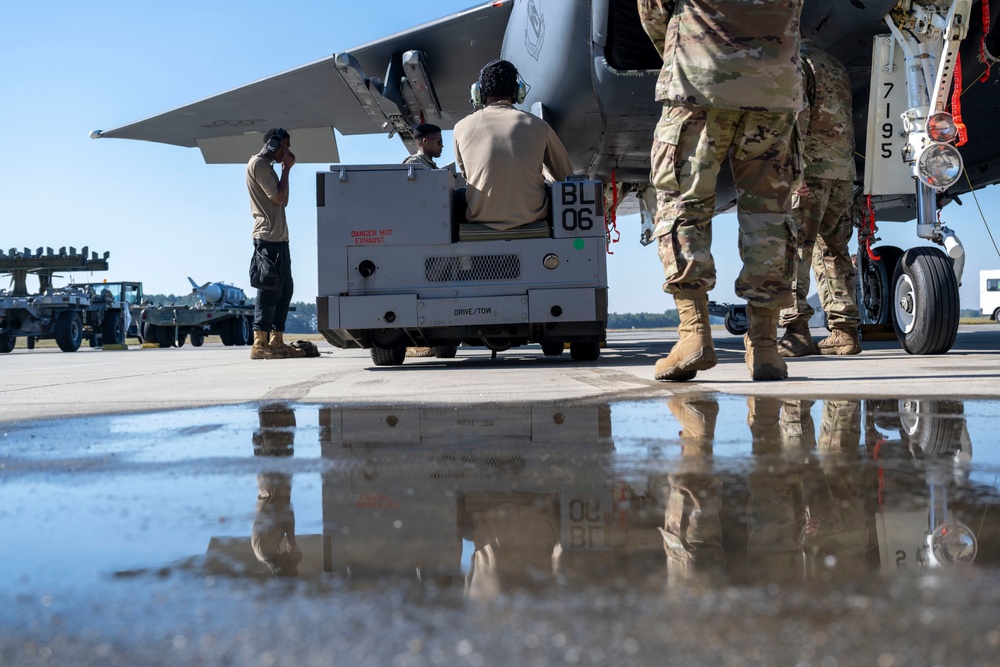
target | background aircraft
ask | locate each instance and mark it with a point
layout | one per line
(592, 70)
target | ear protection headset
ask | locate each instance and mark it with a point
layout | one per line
(274, 143)
(476, 94)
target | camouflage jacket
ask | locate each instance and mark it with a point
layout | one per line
(420, 158)
(825, 124)
(729, 54)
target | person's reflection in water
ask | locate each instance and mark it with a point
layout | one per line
(516, 539)
(806, 514)
(273, 537)
(692, 530)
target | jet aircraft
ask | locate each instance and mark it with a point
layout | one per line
(592, 70)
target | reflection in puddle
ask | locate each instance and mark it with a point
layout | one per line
(582, 504)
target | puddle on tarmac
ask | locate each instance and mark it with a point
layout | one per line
(579, 531)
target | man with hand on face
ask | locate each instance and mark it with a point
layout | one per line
(429, 145)
(268, 199)
(502, 150)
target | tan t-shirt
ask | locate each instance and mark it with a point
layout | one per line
(268, 218)
(501, 151)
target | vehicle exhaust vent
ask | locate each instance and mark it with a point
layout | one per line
(472, 268)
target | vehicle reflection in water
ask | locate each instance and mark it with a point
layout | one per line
(492, 500)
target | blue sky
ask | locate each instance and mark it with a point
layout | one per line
(72, 67)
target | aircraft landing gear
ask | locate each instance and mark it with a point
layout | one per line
(926, 305)
(875, 285)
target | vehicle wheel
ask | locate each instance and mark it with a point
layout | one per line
(242, 331)
(113, 328)
(391, 356)
(225, 331)
(875, 287)
(197, 339)
(996, 315)
(165, 336)
(30, 343)
(69, 331)
(181, 339)
(736, 320)
(445, 351)
(553, 348)
(7, 343)
(926, 302)
(148, 332)
(585, 351)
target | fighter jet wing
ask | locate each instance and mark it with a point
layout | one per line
(427, 72)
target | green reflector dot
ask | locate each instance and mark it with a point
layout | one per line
(579, 244)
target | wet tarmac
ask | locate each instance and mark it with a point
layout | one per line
(699, 528)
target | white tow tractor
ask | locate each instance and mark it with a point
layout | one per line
(399, 266)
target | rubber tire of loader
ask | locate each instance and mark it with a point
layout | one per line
(445, 351)
(7, 343)
(392, 356)
(585, 350)
(69, 331)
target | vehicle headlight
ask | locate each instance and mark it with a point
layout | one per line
(941, 127)
(939, 166)
(952, 544)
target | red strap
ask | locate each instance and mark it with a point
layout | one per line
(982, 41)
(956, 104)
(869, 221)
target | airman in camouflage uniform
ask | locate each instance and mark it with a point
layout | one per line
(730, 86)
(823, 215)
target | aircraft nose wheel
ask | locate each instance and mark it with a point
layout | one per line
(926, 301)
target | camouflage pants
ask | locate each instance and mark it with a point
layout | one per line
(824, 223)
(689, 146)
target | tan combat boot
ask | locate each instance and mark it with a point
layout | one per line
(694, 351)
(842, 340)
(760, 341)
(261, 349)
(278, 345)
(796, 341)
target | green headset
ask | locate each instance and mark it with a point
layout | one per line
(475, 91)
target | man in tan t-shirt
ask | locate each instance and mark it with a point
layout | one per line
(268, 199)
(502, 151)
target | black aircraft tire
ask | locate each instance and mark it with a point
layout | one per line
(876, 302)
(925, 301)
(935, 427)
(392, 356)
(736, 320)
(197, 339)
(553, 348)
(69, 331)
(445, 351)
(7, 343)
(585, 350)
(113, 329)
